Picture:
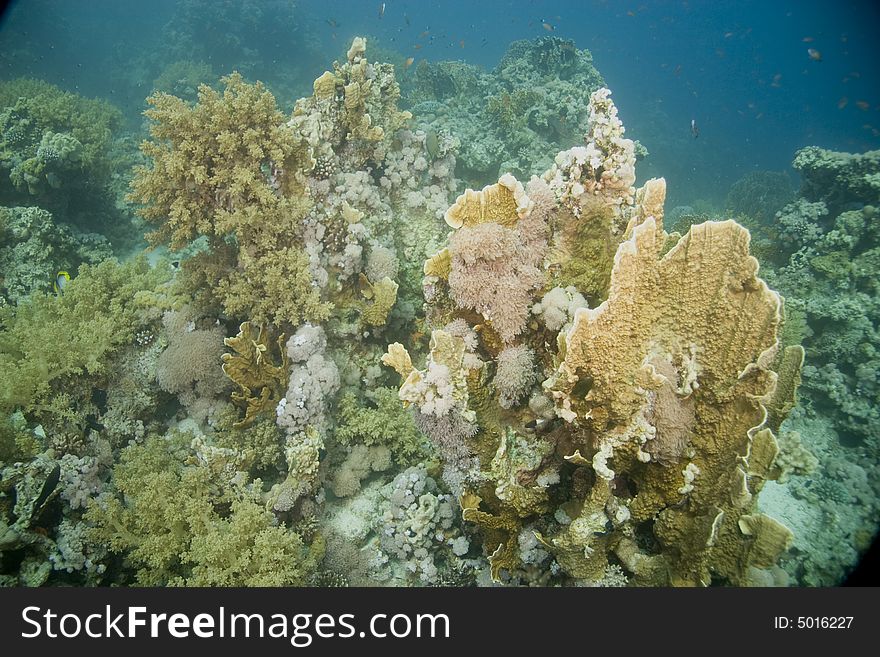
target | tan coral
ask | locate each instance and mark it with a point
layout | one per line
(261, 382)
(500, 534)
(383, 295)
(439, 265)
(688, 335)
(357, 50)
(788, 370)
(325, 86)
(704, 291)
(504, 203)
(398, 358)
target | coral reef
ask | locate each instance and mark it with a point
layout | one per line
(590, 394)
(168, 526)
(51, 139)
(55, 350)
(512, 119)
(649, 427)
(828, 272)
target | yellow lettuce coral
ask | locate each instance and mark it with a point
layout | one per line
(382, 296)
(260, 381)
(698, 324)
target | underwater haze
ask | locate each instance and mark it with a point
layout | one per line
(438, 293)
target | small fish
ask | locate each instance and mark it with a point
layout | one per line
(424, 34)
(695, 131)
(630, 12)
(808, 39)
(863, 105)
(409, 62)
(332, 22)
(814, 54)
(461, 43)
(677, 70)
(485, 41)
(548, 27)
(381, 10)
(776, 79)
(62, 278)
(418, 46)
(406, 18)
(727, 35)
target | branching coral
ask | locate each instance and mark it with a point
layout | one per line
(53, 350)
(168, 526)
(208, 177)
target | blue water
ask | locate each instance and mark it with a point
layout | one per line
(739, 69)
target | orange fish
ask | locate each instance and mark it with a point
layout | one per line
(863, 105)
(461, 43)
(424, 34)
(843, 102)
(418, 46)
(814, 54)
(409, 62)
(548, 27)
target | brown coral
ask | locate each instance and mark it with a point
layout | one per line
(260, 381)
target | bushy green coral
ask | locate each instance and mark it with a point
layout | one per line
(171, 525)
(379, 419)
(54, 349)
(273, 288)
(207, 173)
(259, 443)
(209, 177)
